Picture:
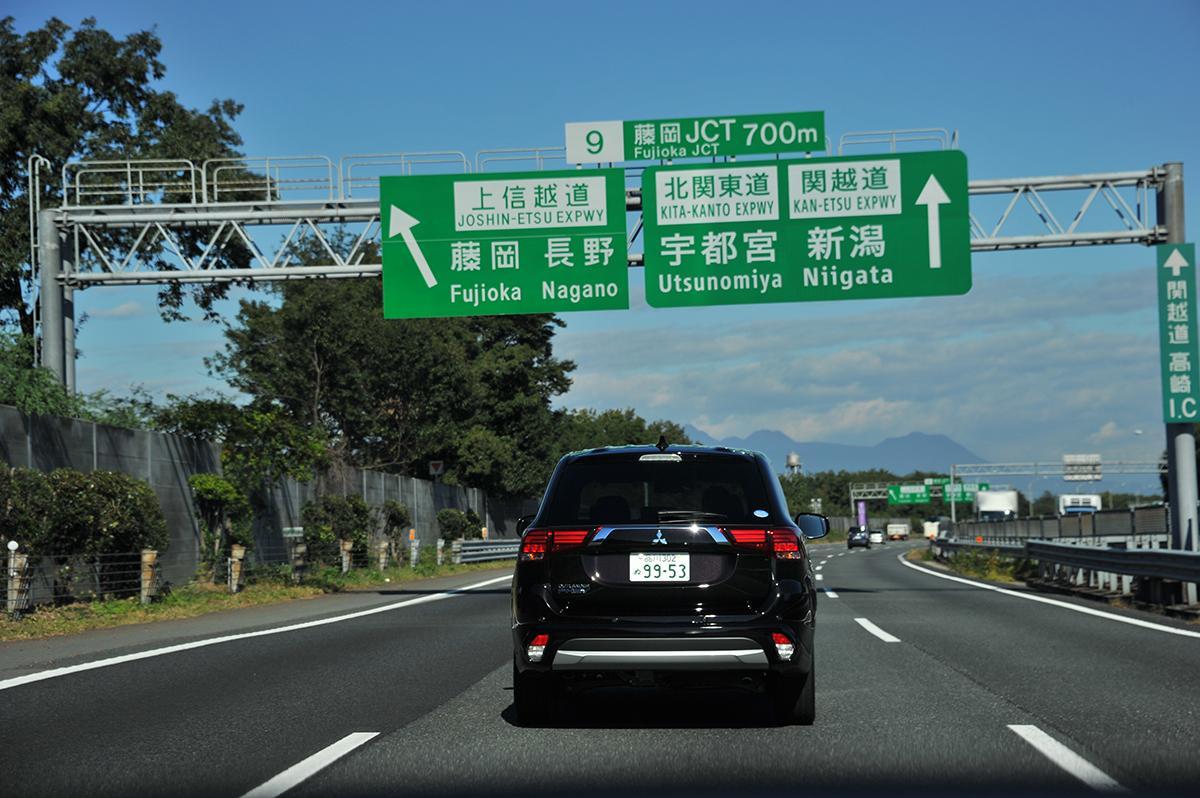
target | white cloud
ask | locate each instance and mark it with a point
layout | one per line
(125, 310)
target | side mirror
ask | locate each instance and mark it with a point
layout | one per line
(812, 525)
(523, 523)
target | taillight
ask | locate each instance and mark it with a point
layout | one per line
(784, 544)
(534, 544)
(781, 543)
(537, 542)
(783, 645)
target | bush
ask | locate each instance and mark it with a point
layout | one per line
(328, 519)
(454, 523)
(103, 512)
(224, 514)
(25, 504)
(394, 521)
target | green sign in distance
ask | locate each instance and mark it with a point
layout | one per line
(694, 137)
(519, 242)
(922, 494)
(866, 227)
(1177, 332)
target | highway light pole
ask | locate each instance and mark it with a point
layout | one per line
(1181, 438)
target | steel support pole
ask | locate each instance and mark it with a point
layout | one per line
(1181, 438)
(67, 259)
(953, 493)
(50, 296)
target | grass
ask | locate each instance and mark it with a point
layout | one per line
(988, 565)
(202, 597)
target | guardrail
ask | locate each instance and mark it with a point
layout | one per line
(1163, 575)
(485, 550)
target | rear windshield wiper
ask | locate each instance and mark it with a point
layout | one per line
(691, 514)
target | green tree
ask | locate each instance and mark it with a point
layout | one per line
(224, 514)
(392, 395)
(587, 429)
(260, 442)
(85, 94)
(330, 518)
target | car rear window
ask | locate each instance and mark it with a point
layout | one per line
(610, 490)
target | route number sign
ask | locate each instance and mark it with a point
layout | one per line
(694, 137)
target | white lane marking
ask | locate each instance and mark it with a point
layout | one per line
(820, 577)
(1067, 759)
(875, 630)
(1158, 627)
(843, 554)
(307, 767)
(830, 593)
(819, 567)
(28, 678)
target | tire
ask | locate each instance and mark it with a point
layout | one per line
(533, 697)
(795, 699)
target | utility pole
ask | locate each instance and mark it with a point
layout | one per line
(1181, 438)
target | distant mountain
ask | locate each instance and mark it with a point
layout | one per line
(916, 451)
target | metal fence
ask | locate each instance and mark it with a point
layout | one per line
(1141, 521)
(68, 578)
(485, 550)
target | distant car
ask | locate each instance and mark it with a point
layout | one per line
(858, 537)
(876, 536)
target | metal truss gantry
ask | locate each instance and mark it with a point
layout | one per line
(124, 223)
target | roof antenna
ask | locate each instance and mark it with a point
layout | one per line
(662, 443)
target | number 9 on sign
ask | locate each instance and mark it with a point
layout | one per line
(595, 142)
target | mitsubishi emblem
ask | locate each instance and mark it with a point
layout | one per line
(659, 538)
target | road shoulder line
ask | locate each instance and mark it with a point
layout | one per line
(17, 681)
(875, 630)
(1158, 627)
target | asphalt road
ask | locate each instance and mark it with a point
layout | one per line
(924, 685)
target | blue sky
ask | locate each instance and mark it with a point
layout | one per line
(1051, 351)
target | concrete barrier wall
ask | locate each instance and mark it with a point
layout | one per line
(167, 461)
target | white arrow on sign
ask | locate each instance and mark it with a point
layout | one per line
(1175, 261)
(932, 196)
(402, 224)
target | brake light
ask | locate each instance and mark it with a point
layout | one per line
(783, 645)
(538, 542)
(567, 538)
(781, 543)
(784, 544)
(751, 538)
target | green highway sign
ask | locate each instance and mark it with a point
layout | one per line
(518, 242)
(922, 493)
(1177, 332)
(694, 137)
(962, 491)
(908, 494)
(863, 227)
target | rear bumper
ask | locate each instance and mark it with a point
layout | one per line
(659, 653)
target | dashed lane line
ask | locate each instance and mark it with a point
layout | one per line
(310, 766)
(875, 630)
(1067, 759)
(830, 593)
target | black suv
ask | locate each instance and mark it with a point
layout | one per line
(664, 564)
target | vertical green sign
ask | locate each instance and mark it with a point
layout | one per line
(521, 242)
(865, 227)
(1177, 332)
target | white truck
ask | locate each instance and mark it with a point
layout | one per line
(996, 505)
(1076, 503)
(898, 531)
(931, 529)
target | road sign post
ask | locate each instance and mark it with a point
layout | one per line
(694, 137)
(525, 242)
(865, 227)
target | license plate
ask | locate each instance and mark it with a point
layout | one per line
(660, 567)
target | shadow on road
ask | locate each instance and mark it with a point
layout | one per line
(658, 708)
